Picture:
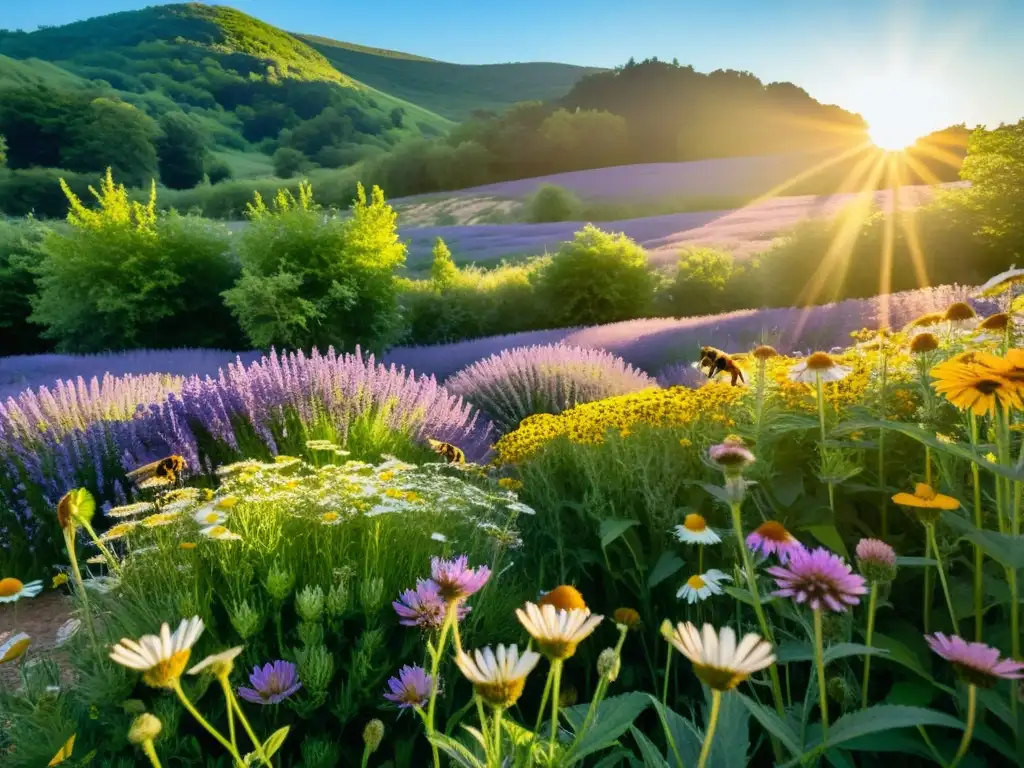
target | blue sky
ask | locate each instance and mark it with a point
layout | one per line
(934, 61)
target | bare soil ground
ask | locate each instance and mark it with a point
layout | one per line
(39, 618)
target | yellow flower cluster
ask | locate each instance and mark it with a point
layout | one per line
(588, 423)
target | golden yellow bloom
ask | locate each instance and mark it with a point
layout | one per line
(564, 598)
(228, 502)
(187, 545)
(14, 647)
(975, 386)
(927, 505)
(59, 580)
(510, 484)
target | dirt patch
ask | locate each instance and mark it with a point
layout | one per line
(39, 618)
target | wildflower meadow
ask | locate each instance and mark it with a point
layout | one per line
(550, 559)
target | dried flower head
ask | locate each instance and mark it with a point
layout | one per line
(997, 322)
(959, 312)
(927, 320)
(764, 352)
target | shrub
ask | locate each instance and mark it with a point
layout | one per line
(37, 191)
(19, 255)
(443, 272)
(596, 278)
(698, 286)
(314, 280)
(552, 203)
(124, 276)
(524, 381)
(288, 162)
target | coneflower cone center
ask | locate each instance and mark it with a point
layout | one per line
(774, 532)
(820, 361)
(974, 676)
(988, 386)
(10, 586)
(166, 673)
(717, 678)
(502, 693)
(695, 523)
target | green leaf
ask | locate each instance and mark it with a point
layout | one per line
(901, 654)
(913, 562)
(1005, 549)
(271, 745)
(679, 733)
(613, 718)
(772, 723)
(880, 718)
(732, 736)
(910, 693)
(788, 487)
(718, 492)
(615, 759)
(791, 651)
(892, 741)
(829, 536)
(845, 650)
(612, 528)
(839, 759)
(650, 754)
(667, 565)
(459, 754)
(743, 595)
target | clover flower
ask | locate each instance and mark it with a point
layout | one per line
(976, 663)
(412, 687)
(455, 580)
(772, 538)
(272, 684)
(820, 579)
(717, 660)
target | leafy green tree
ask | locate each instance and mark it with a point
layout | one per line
(181, 150)
(19, 255)
(3, 151)
(287, 162)
(443, 272)
(314, 280)
(552, 203)
(995, 167)
(699, 284)
(112, 134)
(598, 277)
(121, 276)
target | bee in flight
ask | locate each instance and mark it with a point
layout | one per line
(452, 454)
(159, 473)
(717, 361)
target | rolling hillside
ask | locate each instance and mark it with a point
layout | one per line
(452, 90)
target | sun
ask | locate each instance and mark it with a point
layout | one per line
(900, 107)
(892, 134)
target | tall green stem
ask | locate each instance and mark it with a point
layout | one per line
(979, 554)
(942, 576)
(232, 702)
(872, 606)
(759, 408)
(435, 663)
(668, 670)
(705, 750)
(821, 422)
(544, 701)
(111, 562)
(69, 542)
(497, 736)
(926, 597)
(150, 752)
(203, 722)
(965, 742)
(819, 657)
(884, 360)
(557, 670)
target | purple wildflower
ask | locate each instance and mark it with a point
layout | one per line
(272, 684)
(876, 560)
(421, 607)
(455, 580)
(820, 579)
(411, 688)
(772, 538)
(976, 663)
(731, 456)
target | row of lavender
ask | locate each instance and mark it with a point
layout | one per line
(91, 433)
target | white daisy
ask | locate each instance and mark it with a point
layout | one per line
(695, 530)
(439, 537)
(498, 677)
(207, 515)
(718, 661)
(67, 630)
(14, 646)
(557, 631)
(220, 533)
(219, 663)
(161, 658)
(818, 364)
(702, 586)
(12, 590)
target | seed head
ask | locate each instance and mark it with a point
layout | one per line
(373, 734)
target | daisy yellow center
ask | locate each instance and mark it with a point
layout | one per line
(820, 361)
(187, 545)
(695, 523)
(501, 693)
(696, 582)
(227, 503)
(330, 517)
(167, 672)
(16, 650)
(211, 517)
(557, 649)
(774, 531)
(718, 678)
(218, 530)
(10, 586)
(564, 598)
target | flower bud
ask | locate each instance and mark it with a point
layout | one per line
(145, 727)
(309, 603)
(244, 619)
(373, 734)
(609, 664)
(280, 582)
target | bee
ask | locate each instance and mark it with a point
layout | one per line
(717, 361)
(159, 473)
(452, 454)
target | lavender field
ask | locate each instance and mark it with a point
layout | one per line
(649, 344)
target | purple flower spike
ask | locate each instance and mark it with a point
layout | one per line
(976, 663)
(455, 580)
(411, 688)
(820, 579)
(272, 684)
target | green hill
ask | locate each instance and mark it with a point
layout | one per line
(452, 90)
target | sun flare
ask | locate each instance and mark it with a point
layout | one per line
(900, 107)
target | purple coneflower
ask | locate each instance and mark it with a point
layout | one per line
(272, 684)
(976, 663)
(772, 538)
(876, 560)
(455, 580)
(731, 456)
(423, 606)
(411, 688)
(820, 579)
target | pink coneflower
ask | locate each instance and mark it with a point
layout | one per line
(731, 456)
(876, 560)
(455, 580)
(820, 579)
(411, 688)
(976, 663)
(423, 607)
(772, 538)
